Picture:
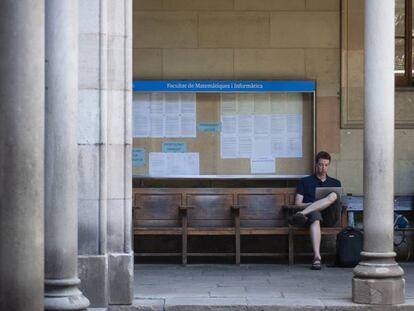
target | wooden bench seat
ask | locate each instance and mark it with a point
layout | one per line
(217, 212)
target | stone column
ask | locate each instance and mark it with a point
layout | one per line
(378, 278)
(61, 196)
(21, 154)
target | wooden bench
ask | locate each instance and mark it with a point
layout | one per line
(232, 212)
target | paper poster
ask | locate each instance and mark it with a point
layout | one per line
(245, 146)
(228, 146)
(164, 115)
(174, 164)
(261, 124)
(294, 103)
(138, 156)
(188, 125)
(209, 127)
(173, 146)
(245, 125)
(140, 115)
(261, 103)
(262, 165)
(245, 104)
(229, 124)
(228, 104)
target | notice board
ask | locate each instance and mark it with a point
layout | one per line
(223, 128)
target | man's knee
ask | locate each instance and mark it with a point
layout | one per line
(316, 223)
(332, 197)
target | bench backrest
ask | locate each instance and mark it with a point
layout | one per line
(211, 207)
(263, 206)
(156, 207)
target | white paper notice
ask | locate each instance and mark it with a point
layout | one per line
(191, 161)
(278, 124)
(188, 125)
(278, 145)
(245, 146)
(261, 124)
(294, 125)
(172, 126)
(140, 115)
(278, 103)
(245, 124)
(157, 164)
(245, 103)
(168, 164)
(228, 147)
(188, 103)
(294, 147)
(262, 103)
(141, 125)
(229, 124)
(228, 104)
(261, 146)
(172, 103)
(157, 103)
(262, 165)
(157, 126)
(294, 103)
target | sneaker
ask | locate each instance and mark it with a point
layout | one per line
(316, 264)
(298, 219)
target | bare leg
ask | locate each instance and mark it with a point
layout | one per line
(320, 204)
(315, 235)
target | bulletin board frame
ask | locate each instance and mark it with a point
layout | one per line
(234, 86)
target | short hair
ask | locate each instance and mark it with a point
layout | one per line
(322, 155)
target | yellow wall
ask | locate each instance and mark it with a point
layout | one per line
(275, 39)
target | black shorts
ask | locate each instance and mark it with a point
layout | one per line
(329, 217)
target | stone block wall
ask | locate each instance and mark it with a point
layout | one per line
(267, 39)
(104, 142)
(350, 158)
(243, 39)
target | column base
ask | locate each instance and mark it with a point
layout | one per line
(93, 271)
(121, 278)
(64, 294)
(378, 291)
(378, 280)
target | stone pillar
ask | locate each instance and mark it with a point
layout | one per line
(21, 155)
(104, 140)
(378, 278)
(61, 196)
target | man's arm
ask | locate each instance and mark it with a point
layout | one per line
(299, 200)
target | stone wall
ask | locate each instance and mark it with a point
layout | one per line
(264, 39)
(104, 141)
(350, 158)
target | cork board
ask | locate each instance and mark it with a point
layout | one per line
(207, 144)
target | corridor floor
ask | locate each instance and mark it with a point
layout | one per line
(250, 287)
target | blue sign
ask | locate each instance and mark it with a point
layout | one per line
(209, 127)
(173, 146)
(224, 86)
(138, 156)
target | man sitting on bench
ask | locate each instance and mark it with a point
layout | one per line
(305, 197)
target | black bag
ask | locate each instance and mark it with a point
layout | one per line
(348, 247)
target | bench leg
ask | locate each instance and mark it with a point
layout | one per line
(237, 237)
(184, 241)
(184, 251)
(291, 246)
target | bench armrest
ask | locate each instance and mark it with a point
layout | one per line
(237, 207)
(185, 207)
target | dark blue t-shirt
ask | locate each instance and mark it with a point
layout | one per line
(307, 186)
